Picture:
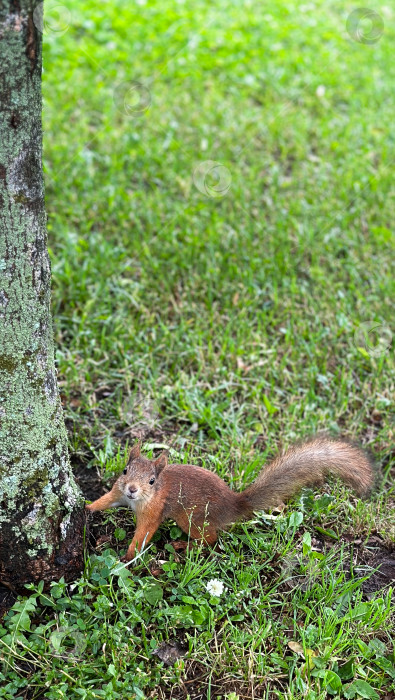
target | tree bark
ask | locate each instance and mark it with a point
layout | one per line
(41, 514)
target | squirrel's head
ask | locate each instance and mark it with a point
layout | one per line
(139, 478)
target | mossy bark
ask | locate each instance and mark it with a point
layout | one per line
(41, 514)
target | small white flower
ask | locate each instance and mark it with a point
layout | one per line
(215, 587)
(320, 91)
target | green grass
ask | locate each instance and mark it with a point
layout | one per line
(222, 326)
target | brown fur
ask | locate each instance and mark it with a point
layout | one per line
(201, 503)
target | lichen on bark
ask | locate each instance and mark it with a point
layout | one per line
(41, 517)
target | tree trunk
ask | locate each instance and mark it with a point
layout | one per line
(41, 514)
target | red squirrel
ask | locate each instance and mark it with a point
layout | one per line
(202, 504)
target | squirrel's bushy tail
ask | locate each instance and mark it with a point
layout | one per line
(307, 464)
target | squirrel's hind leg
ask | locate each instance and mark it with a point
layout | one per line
(209, 538)
(206, 534)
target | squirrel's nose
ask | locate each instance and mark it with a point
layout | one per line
(132, 490)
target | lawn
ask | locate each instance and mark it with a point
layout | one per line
(219, 188)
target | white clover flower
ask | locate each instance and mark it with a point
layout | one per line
(215, 587)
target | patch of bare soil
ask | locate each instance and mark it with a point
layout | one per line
(7, 599)
(88, 480)
(200, 684)
(381, 560)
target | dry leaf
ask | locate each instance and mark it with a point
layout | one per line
(296, 647)
(169, 653)
(279, 508)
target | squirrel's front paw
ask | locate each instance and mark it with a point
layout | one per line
(127, 560)
(127, 557)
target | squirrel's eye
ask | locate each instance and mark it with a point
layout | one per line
(125, 470)
(152, 480)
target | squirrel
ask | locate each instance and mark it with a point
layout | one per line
(202, 504)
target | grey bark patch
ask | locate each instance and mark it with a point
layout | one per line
(3, 298)
(25, 176)
(38, 17)
(50, 386)
(31, 517)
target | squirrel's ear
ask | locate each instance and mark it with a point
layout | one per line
(135, 451)
(161, 462)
